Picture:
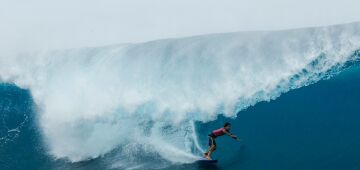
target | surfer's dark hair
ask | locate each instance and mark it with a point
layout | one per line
(227, 124)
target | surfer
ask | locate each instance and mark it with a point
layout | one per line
(216, 133)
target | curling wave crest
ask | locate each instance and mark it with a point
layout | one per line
(147, 96)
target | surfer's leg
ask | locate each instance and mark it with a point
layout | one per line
(211, 149)
(210, 143)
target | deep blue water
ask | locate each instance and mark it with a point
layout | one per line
(314, 127)
(20, 143)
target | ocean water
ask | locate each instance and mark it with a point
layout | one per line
(292, 97)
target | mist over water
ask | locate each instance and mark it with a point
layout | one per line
(144, 98)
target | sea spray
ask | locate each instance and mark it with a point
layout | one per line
(93, 100)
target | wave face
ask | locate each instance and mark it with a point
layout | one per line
(144, 99)
(314, 127)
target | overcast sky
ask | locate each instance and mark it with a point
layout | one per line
(78, 23)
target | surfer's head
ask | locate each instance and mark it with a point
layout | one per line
(227, 126)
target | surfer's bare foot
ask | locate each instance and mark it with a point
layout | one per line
(208, 157)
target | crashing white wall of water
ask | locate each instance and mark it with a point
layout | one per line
(96, 99)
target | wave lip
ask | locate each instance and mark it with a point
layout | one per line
(96, 99)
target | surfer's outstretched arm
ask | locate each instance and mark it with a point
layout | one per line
(231, 135)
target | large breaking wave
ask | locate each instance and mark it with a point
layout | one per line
(144, 98)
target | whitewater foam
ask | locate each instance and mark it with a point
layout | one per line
(149, 94)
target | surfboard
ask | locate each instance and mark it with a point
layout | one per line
(206, 161)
